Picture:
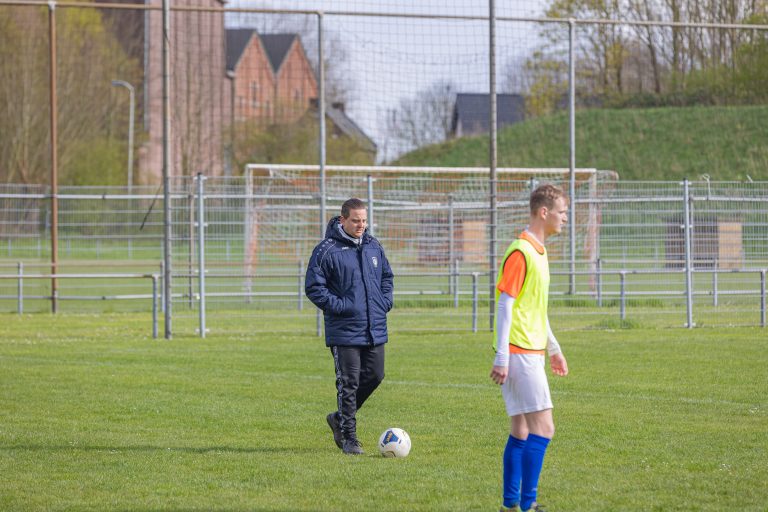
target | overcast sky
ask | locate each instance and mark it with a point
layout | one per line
(390, 59)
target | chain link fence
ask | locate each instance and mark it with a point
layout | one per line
(634, 254)
(666, 90)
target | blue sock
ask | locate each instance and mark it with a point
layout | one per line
(533, 459)
(513, 471)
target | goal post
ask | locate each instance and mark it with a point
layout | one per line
(426, 215)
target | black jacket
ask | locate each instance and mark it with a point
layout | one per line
(352, 285)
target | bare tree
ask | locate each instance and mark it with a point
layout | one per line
(613, 59)
(88, 58)
(422, 120)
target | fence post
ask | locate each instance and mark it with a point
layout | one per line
(162, 287)
(492, 164)
(201, 250)
(154, 306)
(370, 206)
(762, 298)
(248, 220)
(599, 282)
(455, 278)
(301, 286)
(54, 151)
(622, 295)
(321, 143)
(714, 286)
(451, 246)
(572, 153)
(474, 301)
(687, 227)
(167, 170)
(191, 252)
(20, 306)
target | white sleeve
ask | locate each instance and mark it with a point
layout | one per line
(503, 324)
(553, 347)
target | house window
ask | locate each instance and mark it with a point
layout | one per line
(297, 96)
(254, 95)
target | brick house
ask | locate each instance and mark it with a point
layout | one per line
(273, 82)
(219, 76)
(272, 79)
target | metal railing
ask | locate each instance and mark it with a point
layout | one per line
(689, 293)
(20, 277)
(454, 291)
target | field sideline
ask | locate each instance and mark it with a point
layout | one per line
(95, 415)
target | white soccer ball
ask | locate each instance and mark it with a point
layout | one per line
(395, 442)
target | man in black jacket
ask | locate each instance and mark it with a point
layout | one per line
(350, 280)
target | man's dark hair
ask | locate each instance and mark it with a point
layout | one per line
(351, 204)
(546, 195)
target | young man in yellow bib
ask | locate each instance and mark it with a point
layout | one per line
(523, 336)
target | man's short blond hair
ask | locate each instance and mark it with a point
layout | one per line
(546, 195)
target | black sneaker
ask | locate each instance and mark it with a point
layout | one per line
(333, 422)
(352, 446)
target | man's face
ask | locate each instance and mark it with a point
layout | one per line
(355, 224)
(557, 216)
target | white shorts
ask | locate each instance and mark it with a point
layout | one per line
(526, 388)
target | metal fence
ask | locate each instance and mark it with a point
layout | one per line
(367, 85)
(243, 267)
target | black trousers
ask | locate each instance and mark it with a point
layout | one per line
(359, 371)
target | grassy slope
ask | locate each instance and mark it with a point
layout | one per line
(649, 144)
(96, 416)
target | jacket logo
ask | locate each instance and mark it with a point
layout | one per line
(375, 261)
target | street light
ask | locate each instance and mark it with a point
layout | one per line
(128, 86)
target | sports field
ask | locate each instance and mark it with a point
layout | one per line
(95, 415)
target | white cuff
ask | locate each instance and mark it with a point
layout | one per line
(553, 347)
(503, 325)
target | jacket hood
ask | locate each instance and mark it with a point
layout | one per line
(332, 231)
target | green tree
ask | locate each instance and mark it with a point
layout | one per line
(424, 119)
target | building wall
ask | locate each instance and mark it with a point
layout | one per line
(273, 98)
(199, 92)
(254, 84)
(295, 85)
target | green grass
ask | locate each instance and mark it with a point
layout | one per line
(640, 144)
(95, 415)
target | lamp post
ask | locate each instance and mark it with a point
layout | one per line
(128, 86)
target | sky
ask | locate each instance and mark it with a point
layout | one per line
(384, 61)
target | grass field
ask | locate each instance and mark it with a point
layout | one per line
(95, 415)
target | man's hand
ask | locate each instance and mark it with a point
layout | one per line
(499, 374)
(558, 364)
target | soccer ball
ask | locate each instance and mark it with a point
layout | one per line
(395, 442)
